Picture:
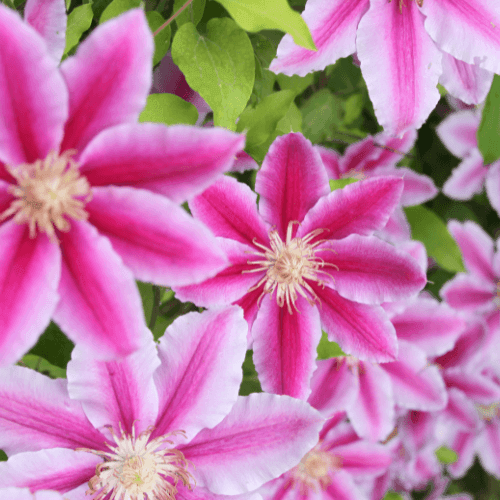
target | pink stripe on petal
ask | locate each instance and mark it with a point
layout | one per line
(48, 17)
(333, 25)
(488, 448)
(29, 277)
(178, 162)
(33, 94)
(468, 178)
(228, 208)
(493, 186)
(397, 230)
(461, 410)
(108, 78)
(418, 188)
(250, 305)
(200, 374)
(464, 444)
(291, 180)
(285, 346)
(343, 487)
(458, 132)
(465, 292)
(364, 459)
(170, 248)
(361, 330)
(330, 159)
(475, 386)
(242, 162)
(263, 436)
(402, 84)
(361, 208)
(36, 412)
(100, 305)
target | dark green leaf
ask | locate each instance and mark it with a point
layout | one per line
(191, 14)
(250, 382)
(488, 134)
(42, 366)
(320, 113)
(162, 39)
(117, 7)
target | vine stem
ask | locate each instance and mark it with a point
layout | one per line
(171, 18)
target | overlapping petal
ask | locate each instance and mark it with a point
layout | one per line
(488, 447)
(493, 186)
(418, 188)
(466, 292)
(474, 385)
(468, 178)
(458, 132)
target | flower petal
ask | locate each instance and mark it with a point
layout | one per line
(284, 349)
(361, 208)
(361, 330)
(263, 436)
(461, 410)
(330, 159)
(397, 230)
(418, 188)
(32, 92)
(29, 276)
(468, 178)
(100, 305)
(343, 487)
(371, 271)
(458, 132)
(464, 445)
(476, 386)
(178, 162)
(228, 208)
(108, 79)
(291, 180)
(170, 248)
(402, 82)
(493, 185)
(466, 292)
(25, 494)
(363, 459)
(466, 29)
(469, 82)
(36, 412)
(488, 448)
(48, 17)
(333, 25)
(200, 373)
(243, 161)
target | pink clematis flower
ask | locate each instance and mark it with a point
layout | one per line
(79, 182)
(405, 48)
(307, 261)
(25, 494)
(165, 422)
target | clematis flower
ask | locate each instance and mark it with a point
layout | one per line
(25, 494)
(405, 49)
(306, 262)
(165, 422)
(79, 182)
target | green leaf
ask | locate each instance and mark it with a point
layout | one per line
(428, 228)
(340, 183)
(191, 14)
(42, 366)
(256, 15)
(391, 495)
(327, 349)
(53, 346)
(168, 109)
(320, 113)
(446, 455)
(265, 49)
(295, 83)
(220, 66)
(250, 382)
(488, 134)
(117, 7)
(353, 108)
(162, 39)
(291, 122)
(79, 21)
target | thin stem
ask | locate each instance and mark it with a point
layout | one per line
(171, 18)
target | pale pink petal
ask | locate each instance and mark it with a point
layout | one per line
(100, 305)
(200, 374)
(488, 447)
(372, 413)
(330, 159)
(108, 78)
(228, 208)
(468, 178)
(469, 82)
(493, 186)
(284, 349)
(467, 29)
(475, 386)
(361, 330)
(402, 83)
(466, 292)
(417, 429)
(263, 436)
(397, 230)
(178, 162)
(170, 248)
(461, 409)
(25, 494)
(418, 188)
(333, 25)
(476, 246)
(57, 469)
(361, 208)
(458, 132)
(243, 161)
(463, 444)
(363, 459)
(48, 17)
(343, 487)
(29, 277)
(369, 270)
(334, 386)
(36, 413)
(116, 392)
(430, 325)
(32, 92)
(250, 305)
(417, 250)
(291, 180)
(416, 385)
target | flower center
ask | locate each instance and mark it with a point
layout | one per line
(47, 192)
(136, 469)
(488, 412)
(288, 264)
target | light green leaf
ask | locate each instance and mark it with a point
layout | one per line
(168, 109)
(320, 113)
(353, 108)
(340, 183)
(220, 66)
(162, 39)
(488, 134)
(295, 83)
(446, 455)
(256, 15)
(327, 349)
(191, 14)
(42, 366)
(291, 122)
(117, 7)
(79, 21)
(428, 228)
(391, 495)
